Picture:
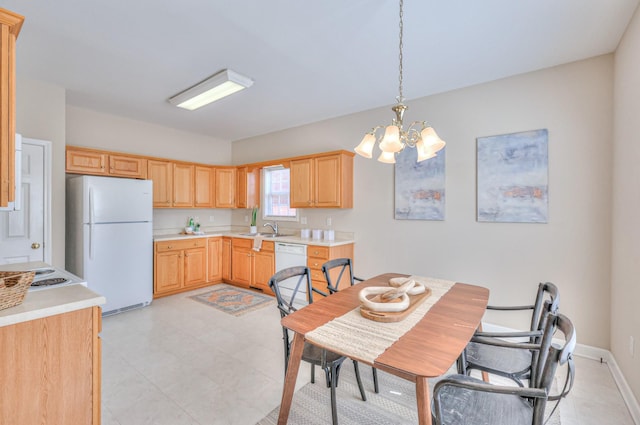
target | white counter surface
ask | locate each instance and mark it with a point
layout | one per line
(290, 239)
(39, 304)
(47, 302)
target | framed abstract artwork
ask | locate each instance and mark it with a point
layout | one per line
(513, 177)
(419, 186)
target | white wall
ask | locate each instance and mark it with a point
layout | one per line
(103, 131)
(40, 114)
(625, 290)
(574, 102)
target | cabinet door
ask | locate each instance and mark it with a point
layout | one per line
(161, 173)
(204, 180)
(195, 266)
(328, 185)
(183, 185)
(86, 162)
(127, 166)
(241, 266)
(301, 180)
(214, 265)
(10, 24)
(263, 268)
(226, 259)
(225, 187)
(169, 271)
(241, 187)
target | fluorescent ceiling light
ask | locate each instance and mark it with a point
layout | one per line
(216, 87)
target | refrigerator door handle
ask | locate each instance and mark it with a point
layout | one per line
(91, 218)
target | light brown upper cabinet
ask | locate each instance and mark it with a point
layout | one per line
(103, 163)
(161, 173)
(225, 187)
(183, 179)
(204, 187)
(247, 187)
(322, 181)
(10, 24)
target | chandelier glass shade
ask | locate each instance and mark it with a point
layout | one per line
(393, 138)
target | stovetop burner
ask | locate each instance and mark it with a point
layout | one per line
(50, 281)
(40, 272)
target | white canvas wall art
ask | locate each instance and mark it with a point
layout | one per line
(513, 177)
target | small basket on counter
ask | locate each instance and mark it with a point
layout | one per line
(13, 287)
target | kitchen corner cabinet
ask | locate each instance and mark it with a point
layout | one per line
(322, 181)
(225, 193)
(51, 371)
(226, 259)
(247, 187)
(10, 24)
(214, 260)
(318, 255)
(100, 163)
(204, 187)
(251, 268)
(179, 265)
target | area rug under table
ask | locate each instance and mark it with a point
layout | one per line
(395, 404)
(233, 300)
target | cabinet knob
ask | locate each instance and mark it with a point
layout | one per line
(170, 246)
(186, 255)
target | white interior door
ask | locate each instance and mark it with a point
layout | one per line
(22, 233)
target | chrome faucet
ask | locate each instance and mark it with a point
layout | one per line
(273, 226)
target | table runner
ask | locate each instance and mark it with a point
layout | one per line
(362, 339)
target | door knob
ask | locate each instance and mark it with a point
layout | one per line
(35, 245)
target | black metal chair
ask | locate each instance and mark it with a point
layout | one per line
(335, 272)
(463, 400)
(293, 290)
(498, 353)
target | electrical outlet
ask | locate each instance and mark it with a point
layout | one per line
(328, 221)
(632, 345)
(246, 218)
(303, 220)
(211, 218)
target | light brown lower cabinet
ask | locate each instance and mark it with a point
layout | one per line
(249, 268)
(318, 255)
(51, 369)
(179, 265)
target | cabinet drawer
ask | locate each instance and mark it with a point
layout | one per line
(180, 244)
(320, 252)
(267, 246)
(315, 264)
(242, 243)
(317, 275)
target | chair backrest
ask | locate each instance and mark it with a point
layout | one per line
(551, 356)
(337, 271)
(292, 287)
(546, 292)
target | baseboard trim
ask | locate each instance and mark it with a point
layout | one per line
(601, 355)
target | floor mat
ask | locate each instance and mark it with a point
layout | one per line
(233, 300)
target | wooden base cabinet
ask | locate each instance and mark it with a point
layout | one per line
(318, 255)
(249, 268)
(179, 265)
(51, 369)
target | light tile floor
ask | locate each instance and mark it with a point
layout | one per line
(180, 362)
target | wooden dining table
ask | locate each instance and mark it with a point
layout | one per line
(425, 351)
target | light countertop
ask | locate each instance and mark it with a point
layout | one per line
(39, 304)
(286, 238)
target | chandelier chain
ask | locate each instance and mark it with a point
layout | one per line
(400, 97)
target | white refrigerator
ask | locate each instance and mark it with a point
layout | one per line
(109, 238)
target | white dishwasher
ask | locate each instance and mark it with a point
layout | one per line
(291, 255)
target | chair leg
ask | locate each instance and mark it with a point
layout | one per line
(334, 408)
(357, 370)
(375, 380)
(313, 373)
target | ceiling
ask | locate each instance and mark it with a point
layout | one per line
(310, 60)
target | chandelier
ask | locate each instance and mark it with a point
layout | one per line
(393, 138)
